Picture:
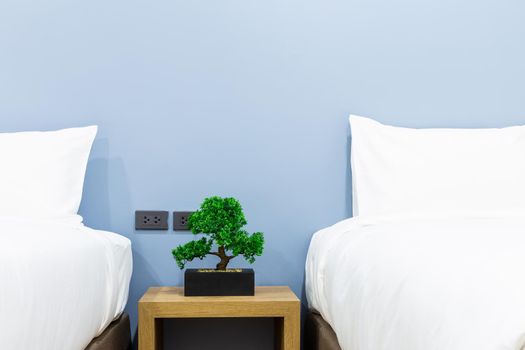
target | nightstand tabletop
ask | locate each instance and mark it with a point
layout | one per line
(176, 295)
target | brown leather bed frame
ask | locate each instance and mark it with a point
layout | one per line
(117, 336)
(318, 335)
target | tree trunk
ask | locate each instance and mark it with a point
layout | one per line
(225, 259)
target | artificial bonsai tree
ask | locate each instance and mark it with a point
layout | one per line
(222, 221)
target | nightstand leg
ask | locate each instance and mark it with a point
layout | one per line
(287, 332)
(291, 332)
(149, 331)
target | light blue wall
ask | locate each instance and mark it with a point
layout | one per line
(248, 99)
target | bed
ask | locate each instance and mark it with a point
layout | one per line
(63, 286)
(421, 284)
(436, 262)
(62, 283)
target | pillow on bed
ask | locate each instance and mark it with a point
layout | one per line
(399, 170)
(42, 173)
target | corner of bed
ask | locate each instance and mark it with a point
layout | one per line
(117, 336)
(318, 335)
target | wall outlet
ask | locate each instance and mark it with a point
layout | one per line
(180, 220)
(151, 220)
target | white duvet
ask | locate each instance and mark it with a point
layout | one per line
(61, 284)
(441, 284)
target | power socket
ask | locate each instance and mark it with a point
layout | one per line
(180, 220)
(151, 220)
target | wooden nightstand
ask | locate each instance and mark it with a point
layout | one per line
(170, 302)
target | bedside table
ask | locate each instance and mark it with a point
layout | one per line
(169, 302)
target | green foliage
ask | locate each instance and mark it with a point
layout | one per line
(189, 251)
(248, 245)
(221, 220)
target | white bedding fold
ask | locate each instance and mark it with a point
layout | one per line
(432, 283)
(61, 284)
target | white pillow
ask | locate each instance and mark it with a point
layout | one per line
(436, 171)
(42, 173)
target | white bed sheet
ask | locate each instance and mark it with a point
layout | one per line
(415, 284)
(61, 283)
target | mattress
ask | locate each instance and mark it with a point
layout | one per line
(425, 283)
(61, 283)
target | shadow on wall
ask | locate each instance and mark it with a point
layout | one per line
(95, 197)
(348, 194)
(106, 179)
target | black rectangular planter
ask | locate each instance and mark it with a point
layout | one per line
(209, 282)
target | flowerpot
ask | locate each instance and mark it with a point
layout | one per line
(210, 282)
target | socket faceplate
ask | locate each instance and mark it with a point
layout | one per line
(151, 220)
(180, 220)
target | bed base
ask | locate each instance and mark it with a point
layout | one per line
(318, 335)
(117, 336)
